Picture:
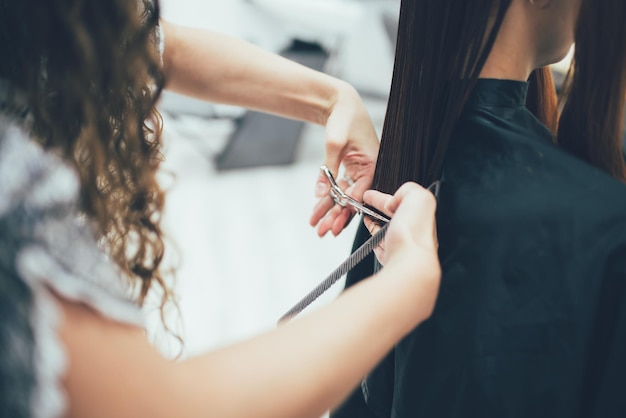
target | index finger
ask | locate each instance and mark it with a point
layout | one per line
(378, 200)
(414, 190)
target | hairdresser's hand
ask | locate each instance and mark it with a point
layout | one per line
(412, 230)
(351, 141)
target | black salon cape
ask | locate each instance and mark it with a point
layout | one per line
(531, 316)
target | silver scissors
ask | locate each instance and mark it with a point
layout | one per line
(342, 199)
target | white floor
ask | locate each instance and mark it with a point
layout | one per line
(246, 250)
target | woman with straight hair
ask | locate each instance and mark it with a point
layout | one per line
(532, 224)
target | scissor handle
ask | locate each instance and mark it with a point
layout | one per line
(331, 179)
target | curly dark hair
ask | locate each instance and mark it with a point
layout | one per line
(92, 74)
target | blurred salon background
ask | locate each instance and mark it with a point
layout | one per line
(241, 183)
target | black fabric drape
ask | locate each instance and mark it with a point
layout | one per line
(531, 315)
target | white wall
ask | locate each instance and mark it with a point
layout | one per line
(351, 30)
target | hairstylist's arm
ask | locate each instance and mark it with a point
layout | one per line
(219, 68)
(301, 369)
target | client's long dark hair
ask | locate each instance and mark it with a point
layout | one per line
(441, 49)
(592, 119)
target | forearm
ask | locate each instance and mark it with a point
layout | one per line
(299, 370)
(309, 365)
(222, 69)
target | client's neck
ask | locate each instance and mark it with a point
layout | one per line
(513, 56)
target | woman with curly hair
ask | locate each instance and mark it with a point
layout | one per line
(80, 208)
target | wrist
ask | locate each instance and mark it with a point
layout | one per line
(340, 92)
